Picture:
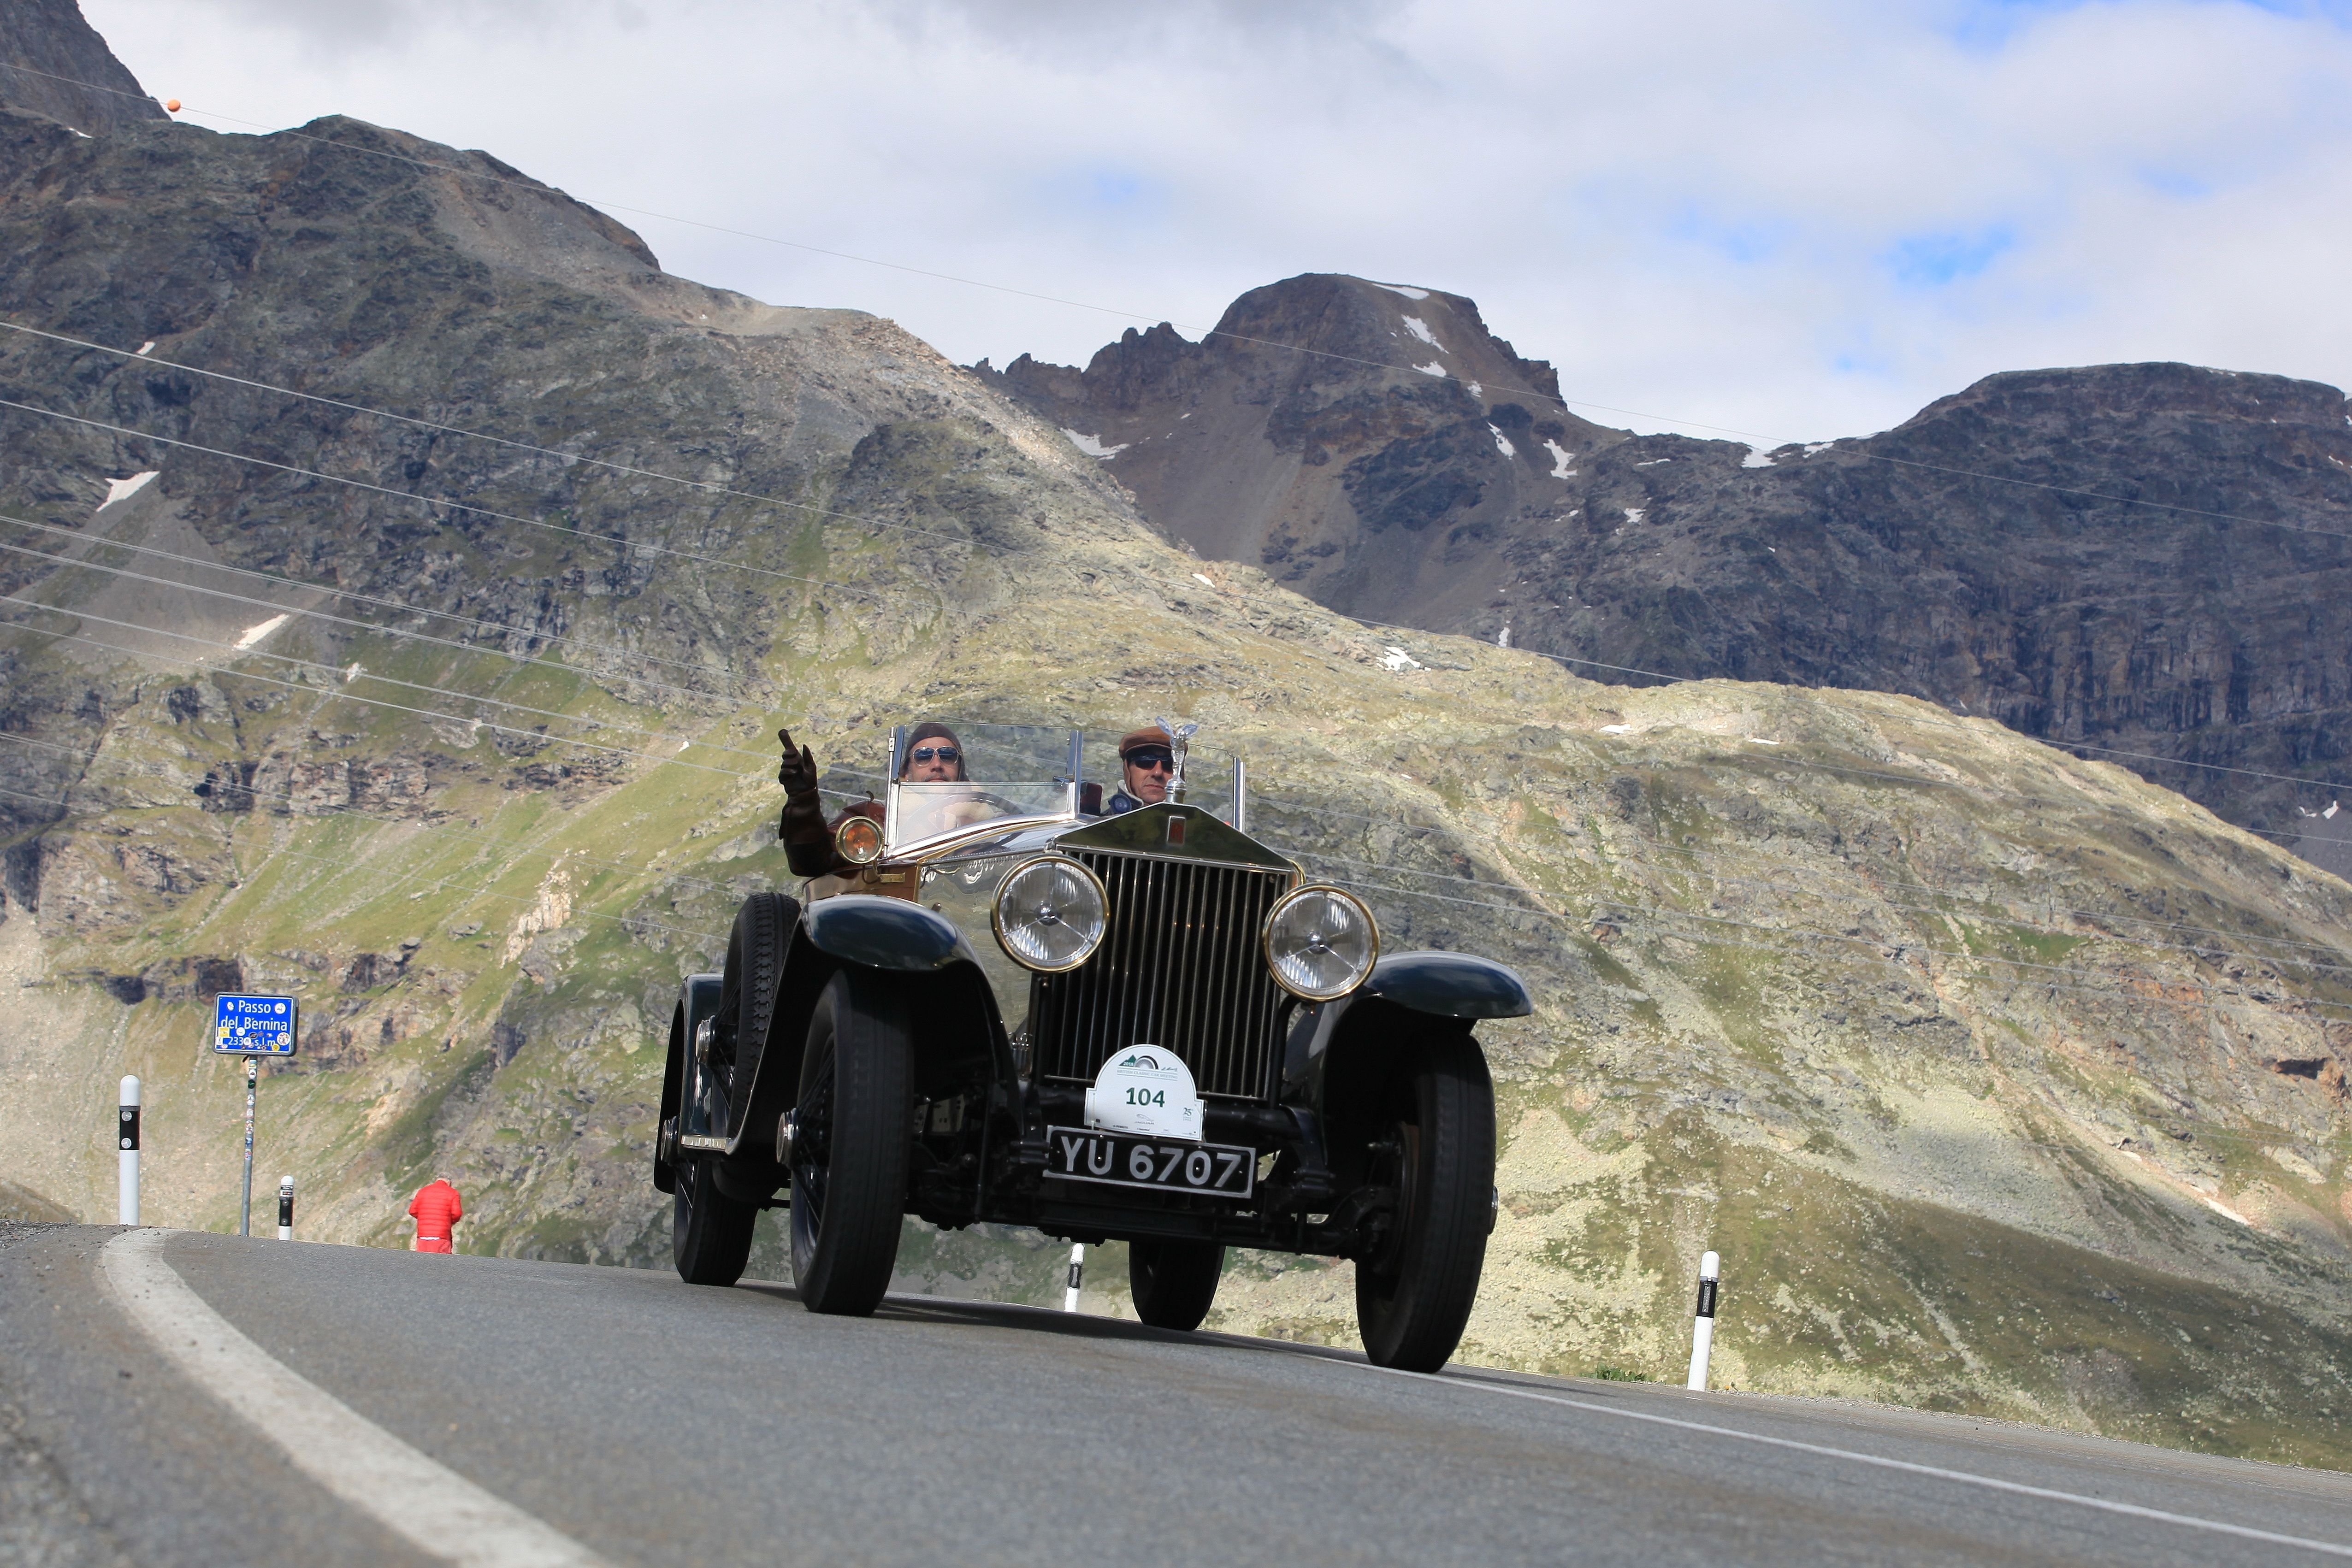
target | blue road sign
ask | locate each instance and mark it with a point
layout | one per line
(254, 1026)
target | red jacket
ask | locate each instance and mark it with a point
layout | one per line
(435, 1208)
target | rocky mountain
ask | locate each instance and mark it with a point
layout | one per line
(2151, 559)
(2004, 1080)
(56, 64)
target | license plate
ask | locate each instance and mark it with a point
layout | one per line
(1117, 1159)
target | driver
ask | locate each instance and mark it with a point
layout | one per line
(1147, 763)
(934, 755)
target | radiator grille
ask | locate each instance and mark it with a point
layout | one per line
(1180, 967)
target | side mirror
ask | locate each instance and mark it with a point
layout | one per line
(858, 841)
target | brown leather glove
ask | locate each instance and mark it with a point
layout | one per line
(798, 772)
(808, 842)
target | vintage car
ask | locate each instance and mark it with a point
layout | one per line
(1147, 1026)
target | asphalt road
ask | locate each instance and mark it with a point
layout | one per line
(654, 1422)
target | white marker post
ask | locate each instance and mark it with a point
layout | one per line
(286, 1208)
(126, 1180)
(1710, 1270)
(1077, 1273)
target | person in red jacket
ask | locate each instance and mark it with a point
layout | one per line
(436, 1208)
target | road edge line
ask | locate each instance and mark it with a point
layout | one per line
(416, 1497)
(1911, 1467)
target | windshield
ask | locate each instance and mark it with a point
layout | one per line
(954, 776)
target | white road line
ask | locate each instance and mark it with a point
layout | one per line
(1965, 1478)
(416, 1498)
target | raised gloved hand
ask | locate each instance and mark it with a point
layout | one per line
(798, 772)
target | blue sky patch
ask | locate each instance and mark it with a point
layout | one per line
(1939, 260)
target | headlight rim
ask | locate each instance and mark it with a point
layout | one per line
(996, 912)
(1265, 940)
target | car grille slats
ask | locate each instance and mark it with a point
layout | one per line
(1179, 968)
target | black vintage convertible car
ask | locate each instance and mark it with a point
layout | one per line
(1146, 1026)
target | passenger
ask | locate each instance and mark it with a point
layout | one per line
(934, 755)
(1147, 761)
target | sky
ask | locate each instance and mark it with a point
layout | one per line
(1792, 221)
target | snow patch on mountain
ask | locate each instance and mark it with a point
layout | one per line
(1092, 445)
(1431, 369)
(1420, 329)
(1502, 443)
(124, 489)
(256, 633)
(1409, 292)
(1560, 459)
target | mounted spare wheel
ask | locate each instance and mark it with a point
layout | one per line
(755, 963)
(850, 1132)
(1414, 1293)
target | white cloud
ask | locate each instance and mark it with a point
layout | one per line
(1792, 222)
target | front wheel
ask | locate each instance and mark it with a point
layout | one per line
(852, 1127)
(711, 1233)
(1174, 1281)
(1413, 1295)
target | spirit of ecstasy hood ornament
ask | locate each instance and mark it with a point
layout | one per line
(1179, 737)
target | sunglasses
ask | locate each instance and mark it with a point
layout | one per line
(944, 753)
(1152, 757)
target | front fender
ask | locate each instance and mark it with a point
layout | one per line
(1449, 986)
(883, 934)
(1339, 1056)
(874, 933)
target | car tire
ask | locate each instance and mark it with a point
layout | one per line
(755, 963)
(711, 1233)
(1174, 1281)
(1413, 1296)
(853, 1127)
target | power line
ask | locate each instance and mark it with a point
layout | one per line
(312, 663)
(1873, 889)
(289, 610)
(1207, 332)
(96, 539)
(567, 458)
(442, 825)
(1653, 913)
(462, 697)
(335, 694)
(439, 827)
(618, 539)
(2209, 953)
(570, 458)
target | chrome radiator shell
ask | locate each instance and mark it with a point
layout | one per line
(1181, 967)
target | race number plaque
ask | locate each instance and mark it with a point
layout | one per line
(255, 1026)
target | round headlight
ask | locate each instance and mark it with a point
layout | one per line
(1049, 913)
(1320, 943)
(858, 841)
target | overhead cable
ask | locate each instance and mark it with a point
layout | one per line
(620, 540)
(557, 638)
(342, 673)
(1203, 333)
